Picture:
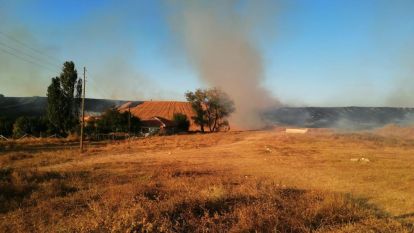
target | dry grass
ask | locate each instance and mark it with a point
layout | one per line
(223, 182)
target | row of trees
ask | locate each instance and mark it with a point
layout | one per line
(110, 121)
(113, 121)
(34, 125)
(63, 112)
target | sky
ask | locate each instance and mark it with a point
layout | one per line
(313, 53)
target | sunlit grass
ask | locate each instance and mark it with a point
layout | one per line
(224, 182)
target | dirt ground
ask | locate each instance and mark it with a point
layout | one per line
(336, 182)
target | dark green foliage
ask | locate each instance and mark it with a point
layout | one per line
(212, 107)
(181, 121)
(197, 99)
(1, 95)
(218, 107)
(35, 126)
(114, 121)
(6, 126)
(64, 100)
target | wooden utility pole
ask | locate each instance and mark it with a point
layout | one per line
(129, 119)
(83, 109)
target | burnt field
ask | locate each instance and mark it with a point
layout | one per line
(263, 181)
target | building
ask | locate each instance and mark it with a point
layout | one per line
(158, 125)
(154, 112)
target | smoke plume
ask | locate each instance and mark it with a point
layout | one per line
(219, 46)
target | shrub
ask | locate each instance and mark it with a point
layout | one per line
(181, 121)
(29, 125)
(114, 121)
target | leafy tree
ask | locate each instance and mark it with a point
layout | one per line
(1, 96)
(29, 125)
(63, 96)
(197, 100)
(212, 107)
(219, 106)
(21, 126)
(182, 122)
(114, 121)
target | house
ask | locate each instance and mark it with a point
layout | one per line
(147, 110)
(156, 125)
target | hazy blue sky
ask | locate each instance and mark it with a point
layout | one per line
(319, 52)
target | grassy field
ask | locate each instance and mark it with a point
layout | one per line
(255, 181)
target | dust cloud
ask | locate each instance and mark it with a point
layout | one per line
(217, 38)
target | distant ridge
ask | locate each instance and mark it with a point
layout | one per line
(340, 117)
(310, 117)
(13, 107)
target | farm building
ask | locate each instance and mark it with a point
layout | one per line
(158, 125)
(148, 110)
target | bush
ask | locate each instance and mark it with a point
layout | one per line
(114, 121)
(35, 126)
(181, 121)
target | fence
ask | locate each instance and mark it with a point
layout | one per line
(93, 137)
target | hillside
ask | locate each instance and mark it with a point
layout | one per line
(340, 117)
(13, 107)
(311, 117)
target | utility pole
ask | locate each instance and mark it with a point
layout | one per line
(129, 120)
(83, 109)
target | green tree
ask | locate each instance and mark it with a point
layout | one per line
(212, 108)
(181, 121)
(219, 106)
(197, 100)
(63, 96)
(21, 126)
(114, 121)
(35, 126)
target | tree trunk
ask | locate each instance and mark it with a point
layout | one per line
(215, 121)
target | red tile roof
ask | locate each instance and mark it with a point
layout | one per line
(162, 109)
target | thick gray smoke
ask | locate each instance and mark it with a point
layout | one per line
(219, 45)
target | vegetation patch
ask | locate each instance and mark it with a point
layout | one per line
(19, 187)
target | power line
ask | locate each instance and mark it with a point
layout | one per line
(7, 36)
(26, 60)
(33, 58)
(24, 53)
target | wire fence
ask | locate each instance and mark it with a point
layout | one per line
(91, 137)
